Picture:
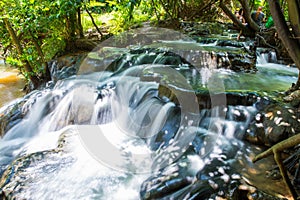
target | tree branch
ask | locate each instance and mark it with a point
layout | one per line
(247, 15)
(93, 21)
(34, 79)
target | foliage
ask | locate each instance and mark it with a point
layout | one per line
(130, 13)
(41, 29)
(189, 9)
(87, 23)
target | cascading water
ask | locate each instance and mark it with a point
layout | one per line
(139, 130)
(78, 105)
(119, 106)
(267, 57)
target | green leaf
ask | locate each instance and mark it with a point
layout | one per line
(46, 9)
(112, 3)
(29, 58)
(100, 4)
(12, 61)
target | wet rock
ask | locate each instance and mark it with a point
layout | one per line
(208, 170)
(274, 124)
(85, 44)
(171, 24)
(231, 98)
(13, 183)
(234, 60)
(10, 116)
(203, 28)
(65, 66)
(146, 56)
(204, 98)
(79, 111)
(230, 43)
(293, 98)
(13, 113)
(244, 64)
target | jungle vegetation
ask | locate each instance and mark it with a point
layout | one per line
(35, 31)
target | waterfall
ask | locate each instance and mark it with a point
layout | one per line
(266, 57)
(101, 135)
(125, 112)
(123, 108)
(150, 118)
(272, 57)
(262, 58)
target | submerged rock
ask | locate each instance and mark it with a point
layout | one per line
(65, 66)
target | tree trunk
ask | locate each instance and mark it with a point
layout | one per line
(155, 10)
(294, 15)
(71, 29)
(46, 72)
(165, 7)
(231, 15)
(246, 31)
(80, 28)
(33, 78)
(93, 21)
(247, 15)
(291, 44)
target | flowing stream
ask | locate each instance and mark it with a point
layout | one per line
(101, 135)
(11, 84)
